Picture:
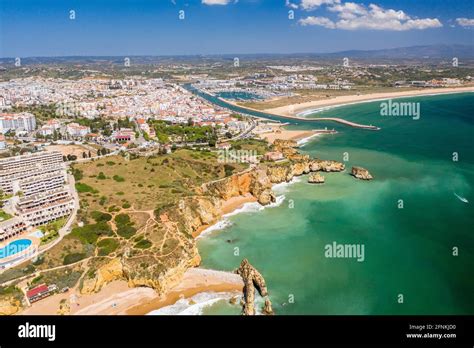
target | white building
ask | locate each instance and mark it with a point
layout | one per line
(45, 207)
(76, 130)
(22, 121)
(15, 170)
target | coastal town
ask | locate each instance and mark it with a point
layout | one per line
(65, 206)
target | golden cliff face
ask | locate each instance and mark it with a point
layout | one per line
(192, 213)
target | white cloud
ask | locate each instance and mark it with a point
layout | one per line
(289, 4)
(353, 16)
(322, 21)
(309, 5)
(465, 22)
(216, 2)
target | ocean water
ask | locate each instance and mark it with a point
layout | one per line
(408, 252)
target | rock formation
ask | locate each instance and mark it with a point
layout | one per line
(105, 274)
(361, 173)
(9, 306)
(266, 197)
(64, 307)
(253, 280)
(316, 178)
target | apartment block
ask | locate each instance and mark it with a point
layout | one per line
(12, 227)
(15, 170)
(45, 207)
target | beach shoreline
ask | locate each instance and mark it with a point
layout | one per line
(294, 110)
(284, 134)
(116, 298)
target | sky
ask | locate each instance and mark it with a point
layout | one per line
(34, 28)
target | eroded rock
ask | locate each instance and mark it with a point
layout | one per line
(315, 178)
(253, 280)
(361, 173)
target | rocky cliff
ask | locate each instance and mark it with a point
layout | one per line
(145, 268)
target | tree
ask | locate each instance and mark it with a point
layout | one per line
(90, 154)
(84, 155)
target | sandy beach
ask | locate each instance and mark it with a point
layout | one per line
(294, 109)
(284, 134)
(116, 298)
(228, 206)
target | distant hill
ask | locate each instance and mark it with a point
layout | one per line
(413, 52)
(399, 53)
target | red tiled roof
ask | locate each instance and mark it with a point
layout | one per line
(37, 290)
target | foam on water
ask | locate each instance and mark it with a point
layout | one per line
(194, 305)
(304, 141)
(249, 207)
(219, 225)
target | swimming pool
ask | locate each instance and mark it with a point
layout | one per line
(14, 247)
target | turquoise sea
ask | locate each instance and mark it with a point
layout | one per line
(407, 251)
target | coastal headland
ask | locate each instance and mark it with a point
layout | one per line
(151, 256)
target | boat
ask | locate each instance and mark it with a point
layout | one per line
(462, 199)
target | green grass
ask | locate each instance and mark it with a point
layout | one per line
(107, 246)
(82, 188)
(99, 216)
(143, 244)
(89, 234)
(4, 216)
(125, 226)
(74, 257)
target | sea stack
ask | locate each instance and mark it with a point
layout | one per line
(361, 173)
(253, 280)
(316, 178)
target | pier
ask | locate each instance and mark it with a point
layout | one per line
(334, 119)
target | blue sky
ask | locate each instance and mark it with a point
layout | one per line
(152, 27)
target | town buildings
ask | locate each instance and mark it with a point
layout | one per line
(38, 190)
(23, 121)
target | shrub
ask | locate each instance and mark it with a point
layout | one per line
(101, 176)
(99, 216)
(82, 188)
(143, 244)
(74, 257)
(118, 178)
(107, 246)
(89, 234)
(126, 231)
(122, 219)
